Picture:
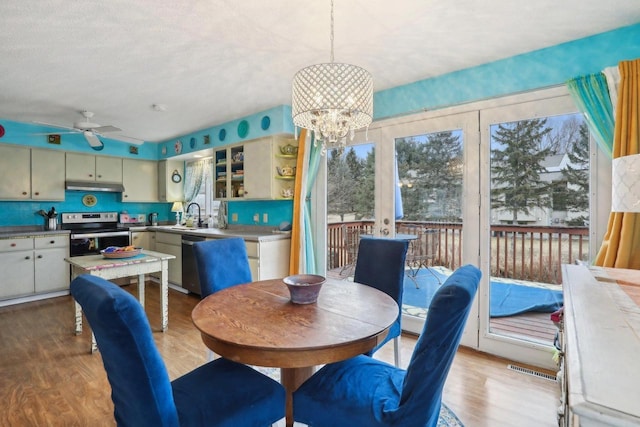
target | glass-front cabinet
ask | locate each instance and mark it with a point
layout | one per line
(261, 169)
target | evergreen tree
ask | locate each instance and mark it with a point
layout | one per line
(577, 177)
(340, 195)
(363, 187)
(516, 167)
(431, 164)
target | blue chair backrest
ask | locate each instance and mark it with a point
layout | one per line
(221, 263)
(141, 389)
(380, 264)
(438, 343)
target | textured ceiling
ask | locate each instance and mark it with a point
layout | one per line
(211, 61)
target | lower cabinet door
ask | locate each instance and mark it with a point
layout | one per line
(17, 274)
(175, 265)
(52, 272)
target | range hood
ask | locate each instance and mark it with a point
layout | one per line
(94, 186)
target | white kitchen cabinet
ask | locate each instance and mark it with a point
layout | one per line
(257, 166)
(16, 264)
(33, 265)
(168, 189)
(51, 270)
(31, 173)
(140, 180)
(171, 243)
(268, 259)
(47, 174)
(86, 167)
(249, 171)
(144, 239)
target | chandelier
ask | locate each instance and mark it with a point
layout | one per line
(332, 100)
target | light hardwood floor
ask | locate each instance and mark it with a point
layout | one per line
(48, 378)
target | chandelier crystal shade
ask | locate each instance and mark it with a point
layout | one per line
(332, 99)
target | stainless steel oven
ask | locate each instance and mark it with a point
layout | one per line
(93, 232)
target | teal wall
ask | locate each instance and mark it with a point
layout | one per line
(529, 71)
(542, 68)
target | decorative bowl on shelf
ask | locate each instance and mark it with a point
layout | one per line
(289, 150)
(287, 193)
(304, 288)
(286, 170)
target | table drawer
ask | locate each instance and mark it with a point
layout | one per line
(16, 244)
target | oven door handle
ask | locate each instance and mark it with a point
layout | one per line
(92, 235)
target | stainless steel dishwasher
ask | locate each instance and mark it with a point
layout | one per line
(190, 280)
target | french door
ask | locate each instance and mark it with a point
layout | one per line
(460, 200)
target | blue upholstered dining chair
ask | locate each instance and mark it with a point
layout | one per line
(221, 263)
(219, 393)
(363, 391)
(381, 265)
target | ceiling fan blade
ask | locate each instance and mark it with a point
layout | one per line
(54, 125)
(92, 139)
(54, 133)
(126, 139)
(103, 129)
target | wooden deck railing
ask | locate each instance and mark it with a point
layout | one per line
(531, 253)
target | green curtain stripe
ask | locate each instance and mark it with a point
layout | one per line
(591, 95)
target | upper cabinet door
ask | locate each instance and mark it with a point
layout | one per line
(108, 169)
(15, 172)
(140, 180)
(47, 174)
(81, 167)
(257, 166)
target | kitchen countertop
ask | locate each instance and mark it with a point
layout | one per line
(248, 233)
(28, 231)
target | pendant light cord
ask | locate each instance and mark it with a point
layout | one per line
(331, 37)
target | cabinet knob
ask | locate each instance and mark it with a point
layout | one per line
(52, 242)
(99, 176)
(13, 245)
(37, 193)
(27, 257)
(90, 175)
(39, 256)
(24, 193)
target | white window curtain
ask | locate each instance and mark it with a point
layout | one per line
(195, 174)
(612, 74)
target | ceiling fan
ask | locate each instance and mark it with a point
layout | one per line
(92, 131)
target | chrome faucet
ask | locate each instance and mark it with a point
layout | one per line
(199, 213)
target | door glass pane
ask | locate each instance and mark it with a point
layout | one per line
(350, 205)
(430, 173)
(539, 215)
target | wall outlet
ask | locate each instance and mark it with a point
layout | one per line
(256, 218)
(265, 218)
(234, 217)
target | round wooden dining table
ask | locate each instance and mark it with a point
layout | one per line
(257, 324)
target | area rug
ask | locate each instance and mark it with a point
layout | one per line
(446, 419)
(508, 298)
